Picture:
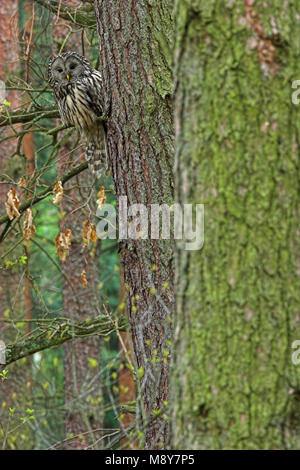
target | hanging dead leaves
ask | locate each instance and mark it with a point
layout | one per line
(101, 198)
(12, 204)
(58, 190)
(28, 225)
(22, 182)
(63, 244)
(63, 239)
(89, 233)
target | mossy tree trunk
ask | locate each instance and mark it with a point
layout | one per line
(237, 141)
(135, 60)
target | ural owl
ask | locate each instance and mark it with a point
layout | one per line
(77, 89)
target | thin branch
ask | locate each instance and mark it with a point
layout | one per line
(42, 195)
(62, 330)
(16, 117)
(82, 16)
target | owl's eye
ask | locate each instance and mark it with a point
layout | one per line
(59, 70)
(72, 66)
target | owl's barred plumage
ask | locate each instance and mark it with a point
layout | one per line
(77, 89)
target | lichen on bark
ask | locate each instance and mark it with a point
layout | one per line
(237, 150)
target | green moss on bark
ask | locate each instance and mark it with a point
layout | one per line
(237, 301)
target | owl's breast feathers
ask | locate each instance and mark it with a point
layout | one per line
(79, 103)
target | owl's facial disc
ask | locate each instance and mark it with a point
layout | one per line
(59, 71)
(73, 69)
(67, 71)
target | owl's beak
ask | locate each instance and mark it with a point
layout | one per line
(68, 77)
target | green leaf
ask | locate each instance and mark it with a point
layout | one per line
(93, 363)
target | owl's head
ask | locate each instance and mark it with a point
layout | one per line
(68, 67)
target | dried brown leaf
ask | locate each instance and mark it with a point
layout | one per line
(101, 198)
(22, 182)
(63, 244)
(28, 226)
(12, 204)
(89, 233)
(58, 190)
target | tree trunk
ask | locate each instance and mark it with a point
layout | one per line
(237, 141)
(135, 57)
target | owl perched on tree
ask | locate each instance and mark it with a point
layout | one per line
(77, 89)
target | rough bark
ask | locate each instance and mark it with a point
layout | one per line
(135, 56)
(126, 377)
(237, 151)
